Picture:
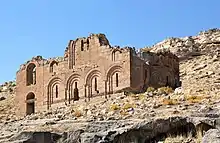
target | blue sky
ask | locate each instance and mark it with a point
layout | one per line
(44, 27)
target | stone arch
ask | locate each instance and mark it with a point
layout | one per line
(53, 90)
(31, 74)
(114, 56)
(113, 77)
(93, 78)
(30, 105)
(53, 65)
(72, 87)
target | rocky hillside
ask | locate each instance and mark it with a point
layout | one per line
(187, 114)
(199, 61)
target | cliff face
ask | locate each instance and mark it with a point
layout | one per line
(183, 115)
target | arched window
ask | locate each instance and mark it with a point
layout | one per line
(116, 79)
(96, 84)
(113, 56)
(87, 43)
(82, 45)
(53, 66)
(31, 74)
(76, 93)
(57, 91)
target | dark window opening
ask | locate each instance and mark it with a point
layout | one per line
(87, 43)
(76, 93)
(116, 79)
(54, 63)
(145, 75)
(31, 74)
(95, 84)
(82, 45)
(51, 68)
(113, 56)
(167, 81)
(57, 91)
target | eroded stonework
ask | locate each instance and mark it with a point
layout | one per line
(91, 67)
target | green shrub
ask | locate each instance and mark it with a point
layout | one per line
(150, 89)
(114, 107)
(166, 90)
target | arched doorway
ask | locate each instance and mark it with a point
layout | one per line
(76, 92)
(30, 103)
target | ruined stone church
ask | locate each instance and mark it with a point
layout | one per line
(91, 67)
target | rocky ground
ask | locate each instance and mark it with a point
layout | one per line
(187, 114)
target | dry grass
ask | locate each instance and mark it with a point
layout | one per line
(194, 98)
(169, 102)
(141, 96)
(182, 138)
(166, 90)
(114, 107)
(77, 113)
(127, 106)
(123, 113)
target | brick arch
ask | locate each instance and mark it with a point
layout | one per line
(72, 91)
(30, 95)
(113, 54)
(93, 77)
(74, 77)
(51, 67)
(115, 69)
(31, 74)
(56, 81)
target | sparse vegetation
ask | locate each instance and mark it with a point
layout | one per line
(114, 107)
(166, 90)
(127, 106)
(169, 102)
(77, 113)
(141, 96)
(150, 89)
(194, 98)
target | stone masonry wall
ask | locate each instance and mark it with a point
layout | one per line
(90, 67)
(94, 60)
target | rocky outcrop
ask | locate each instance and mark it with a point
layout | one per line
(206, 42)
(212, 136)
(120, 131)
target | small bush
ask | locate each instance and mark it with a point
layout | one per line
(141, 96)
(194, 98)
(150, 89)
(114, 107)
(169, 101)
(166, 90)
(127, 106)
(77, 113)
(123, 112)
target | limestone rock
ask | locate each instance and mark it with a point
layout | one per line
(211, 136)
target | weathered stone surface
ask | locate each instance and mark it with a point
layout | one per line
(211, 136)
